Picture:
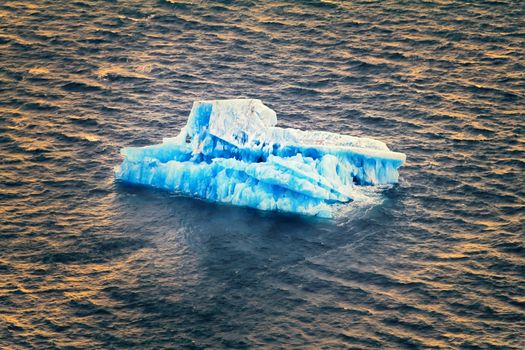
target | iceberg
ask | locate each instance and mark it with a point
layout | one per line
(232, 152)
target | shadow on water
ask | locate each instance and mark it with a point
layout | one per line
(216, 227)
(243, 259)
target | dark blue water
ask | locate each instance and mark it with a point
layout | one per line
(86, 263)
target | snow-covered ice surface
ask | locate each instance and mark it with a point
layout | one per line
(230, 151)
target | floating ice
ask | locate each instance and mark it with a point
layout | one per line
(230, 151)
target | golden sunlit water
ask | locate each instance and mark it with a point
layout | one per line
(87, 263)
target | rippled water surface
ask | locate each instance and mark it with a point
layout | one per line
(86, 263)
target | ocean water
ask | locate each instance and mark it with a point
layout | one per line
(437, 263)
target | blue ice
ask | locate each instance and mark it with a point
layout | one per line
(230, 151)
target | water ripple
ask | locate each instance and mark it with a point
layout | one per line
(87, 263)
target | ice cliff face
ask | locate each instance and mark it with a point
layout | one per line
(230, 151)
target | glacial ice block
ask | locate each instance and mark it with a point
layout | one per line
(232, 152)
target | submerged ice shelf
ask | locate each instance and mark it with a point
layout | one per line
(230, 151)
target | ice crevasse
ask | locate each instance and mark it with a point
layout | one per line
(230, 151)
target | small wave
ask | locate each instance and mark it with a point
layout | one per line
(115, 73)
(83, 120)
(76, 137)
(40, 106)
(369, 65)
(38, 71)
(300, 91)
(180, 4)
(75, 86)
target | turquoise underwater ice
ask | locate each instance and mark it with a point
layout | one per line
(230, 151)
